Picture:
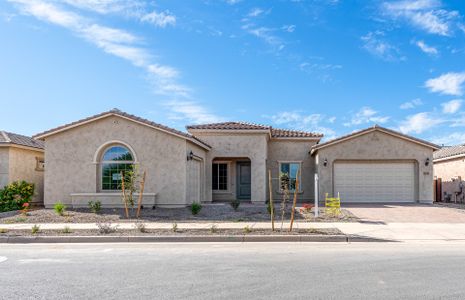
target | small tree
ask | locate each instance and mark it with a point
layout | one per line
(130, 184)
(284, 181)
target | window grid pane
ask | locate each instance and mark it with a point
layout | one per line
(111, 175)
(291, 169)
(220, 177)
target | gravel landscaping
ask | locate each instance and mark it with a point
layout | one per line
(180, 232)
(211, 212)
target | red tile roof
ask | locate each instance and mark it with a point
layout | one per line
(275, 132)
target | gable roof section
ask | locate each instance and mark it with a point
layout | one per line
(372, 129)
(244, 126)
(8, 138)
(449, 152)
(117, 112)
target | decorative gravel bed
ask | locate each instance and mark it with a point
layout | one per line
(180, 232)
(210, 212)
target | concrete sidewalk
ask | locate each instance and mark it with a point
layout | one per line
(402, 232)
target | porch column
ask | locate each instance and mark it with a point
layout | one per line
(258, 182)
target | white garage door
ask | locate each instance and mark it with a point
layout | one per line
(375, 182)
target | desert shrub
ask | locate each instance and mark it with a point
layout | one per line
(268, 207)
(214, 228)
(195, 208)
(59, 208)
(3, 230)
(141, 227)
(14, 195)
(35, 229)
(247, 229)
(94, 206)
(106, 228)
(235, 204)
(174, 227)
(67, 230)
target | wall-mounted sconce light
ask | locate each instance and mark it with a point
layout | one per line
(325, 162)
(427, 162)
(190, 156)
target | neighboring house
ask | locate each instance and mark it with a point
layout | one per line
(228, 161)
(22, 158)
(449, 168)
(376, 165)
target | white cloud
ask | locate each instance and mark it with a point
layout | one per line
(427, 49)
(265, 34)
(419, 123)
(375, 44)
(299, 121)
(448, 84)
(232, 2)
(452, 106)
(113, 41)
(255, 12)
(161, 19)
(423, 14)
(107, 6)
(191, 111)
(366, 115)
(455, 138)
(288, 28)
(411, 104)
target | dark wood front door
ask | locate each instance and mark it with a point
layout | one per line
(244, 180)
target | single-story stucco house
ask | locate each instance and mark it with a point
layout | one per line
(229, 161)
(449, 170)
(22, 158)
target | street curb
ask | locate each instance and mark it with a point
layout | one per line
(186, 239)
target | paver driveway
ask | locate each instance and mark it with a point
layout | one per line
(406, 213)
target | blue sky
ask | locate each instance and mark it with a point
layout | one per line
(331, 66)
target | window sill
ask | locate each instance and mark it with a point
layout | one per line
(221, 192)
(280, 192)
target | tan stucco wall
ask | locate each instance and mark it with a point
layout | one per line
(22, 166)
(70, 168)
(377, 146)
(200, 156)
(281, 150)
(239, 145)
(4, 166)
(449, 169)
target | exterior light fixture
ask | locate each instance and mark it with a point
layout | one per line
(325, 162)
(190, 156)
(427, 162)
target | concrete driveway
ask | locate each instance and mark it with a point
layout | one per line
(406, 213)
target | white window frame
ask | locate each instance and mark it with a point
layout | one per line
(300, 174)
(228, 176)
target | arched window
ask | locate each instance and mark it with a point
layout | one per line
(115, 159)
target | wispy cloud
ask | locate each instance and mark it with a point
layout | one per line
(160, 19)
(427, 49)
(419, 123)
(449, 84)
(426, 15)
(411, 104)
(190, 111)
(114, 41)
(265, 34)
(288, 28)
(307, 122)
(366, 115)
(455, 138)
(451, 107)
(255, 12)
(376, 44)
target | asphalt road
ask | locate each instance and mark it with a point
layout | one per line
(233, 271)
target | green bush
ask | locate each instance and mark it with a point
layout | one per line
(235, 204)
(14, 195)
(195, 208)
(95, 207)
(35, 229)
(59, 208)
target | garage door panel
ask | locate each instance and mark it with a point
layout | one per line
(375, 182)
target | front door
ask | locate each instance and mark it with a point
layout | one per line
(243, 180)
